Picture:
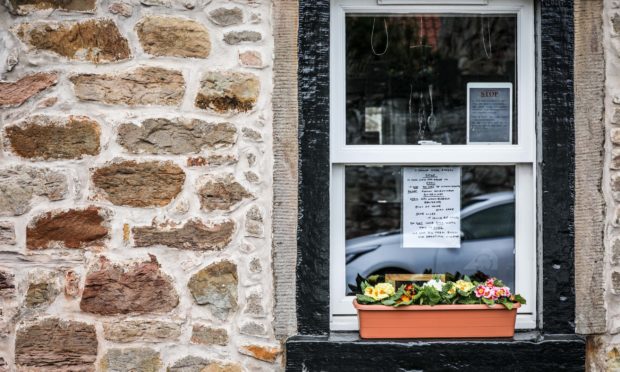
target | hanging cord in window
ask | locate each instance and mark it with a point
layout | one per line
(488, 53)
(421, 118)
(411, 117)
(372, 37)
(432, 120)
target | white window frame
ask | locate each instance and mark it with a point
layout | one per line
(522, 155)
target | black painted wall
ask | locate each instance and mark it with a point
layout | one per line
(313, 227)
(557, 168)
(306, 353)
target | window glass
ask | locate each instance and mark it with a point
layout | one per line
(490, 223)
(407, 79)
(374, 233)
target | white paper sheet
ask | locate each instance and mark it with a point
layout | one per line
(431, 207)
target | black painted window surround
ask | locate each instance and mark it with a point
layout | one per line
(555, 345)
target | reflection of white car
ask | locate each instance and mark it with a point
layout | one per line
(487, 245)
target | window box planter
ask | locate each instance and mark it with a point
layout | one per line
(439, 321)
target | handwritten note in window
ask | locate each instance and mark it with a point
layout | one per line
(431, 207)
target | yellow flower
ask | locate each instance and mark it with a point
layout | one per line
(452, 290)
(383, 290)
(380, 291)
(464, 286)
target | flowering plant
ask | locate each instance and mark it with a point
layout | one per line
(437, 292)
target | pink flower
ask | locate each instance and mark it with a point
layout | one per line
(504, 292)
(491, 293)
(490, 282)
(480, 291)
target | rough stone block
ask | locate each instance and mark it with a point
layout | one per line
(23, 7)
(193, 235)
(216, 287)
(54, 138)
(13, 94)
(141, 86)
(251, 177)
(72, 284)
(226, 16)
(615, 184)
(222, 193)
(133, 288)
(217, 160)
(255, 266)
(173, 36)
(7, 283)
(228, 92)
(141, 330)
(238, 37)
(94, 40)
(121, 8)
(131, 359)
(144, 184)
(251, 58)
(615, 282)
(615, 136)
(42, 289)
(54, 344)
(251, 134)
(254, 305)
(197, 161)
(254, 222)
(189, 364)
(253, 328)
(261, 352)
(615, 159)
(177, 136)
(20, 184)
(174, 4)
(73, 228)
(202, 334)
(7, 233)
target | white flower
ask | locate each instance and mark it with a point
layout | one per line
(437, 284)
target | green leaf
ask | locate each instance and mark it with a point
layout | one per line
(520, 299)
(363, 299)
(509, 305)
(487, 301)
(363, 286)
(388, 302)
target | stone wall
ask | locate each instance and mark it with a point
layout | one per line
(135, 186)
(604, 346)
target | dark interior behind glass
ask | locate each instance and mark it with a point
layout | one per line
(406, 75)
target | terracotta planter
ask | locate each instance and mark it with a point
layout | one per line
(440, 321)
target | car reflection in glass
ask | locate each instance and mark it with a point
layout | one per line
(487, 245)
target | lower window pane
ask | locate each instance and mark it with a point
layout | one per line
(374, 221)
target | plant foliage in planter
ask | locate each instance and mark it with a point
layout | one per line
(464, 291)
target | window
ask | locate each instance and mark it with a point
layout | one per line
(410, 87)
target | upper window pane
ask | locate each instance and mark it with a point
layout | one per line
(408, 77)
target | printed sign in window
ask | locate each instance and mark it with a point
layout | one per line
(489, 113)
(431, 207)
